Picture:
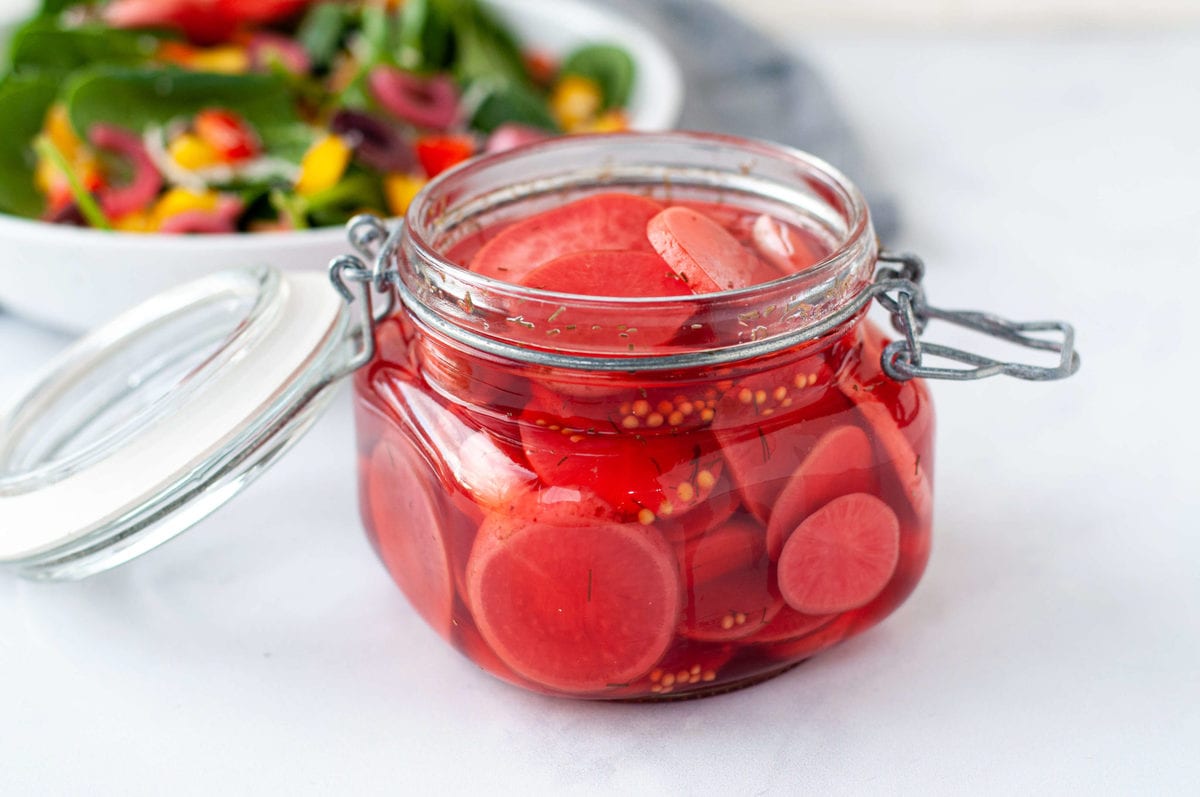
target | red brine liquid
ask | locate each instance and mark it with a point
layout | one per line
(649, 535)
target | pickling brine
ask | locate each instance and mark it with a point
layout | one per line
(630, 534)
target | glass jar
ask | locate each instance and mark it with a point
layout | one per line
(622, 499)
(633, 498)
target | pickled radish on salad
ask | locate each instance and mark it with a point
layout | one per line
(295, 113)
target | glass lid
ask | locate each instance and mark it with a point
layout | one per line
(154, 420)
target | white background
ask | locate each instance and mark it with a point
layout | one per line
(980, 15)
(1052, 648)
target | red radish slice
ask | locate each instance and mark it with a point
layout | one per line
(471, 644)
(573, 604)
(142, 188)
(839, 463)
(511, 135)
(619, 274)
(733, 606)
(767, 424)
(718, 507)
(623, 274)
(736, 221)
(788, 249)
(789, 625)
(641, 476)
(407, 522)
(604, 222)
(906, 463)
(706, 256)
(430, 102)
(841, 556)
(737, 545)
(727, 583)
(471, 459)
(813, 642)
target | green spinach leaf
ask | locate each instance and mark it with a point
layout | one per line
(484, 49)
(46, 47)
(136, 99)
(426, 37)
(610, 66)
(513, 103)
(322, 30)
(23, 104)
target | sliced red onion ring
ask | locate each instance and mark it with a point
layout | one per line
(222, 219)
(426, 102)
(141, 190)
(267, 48)
(376, 143)
(510, 135)
(69, 214)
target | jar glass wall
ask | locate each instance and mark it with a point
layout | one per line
(632, 498)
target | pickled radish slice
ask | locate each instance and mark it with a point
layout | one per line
(784, 247)
(736, 221)
(707, 257)
(905, 462)
(717, 508)
(603, 222)
(727, 583)
(841, 556)
(838, 464)
(733, 606)
(609, 274)
(737, 545)
(574, 604)
(641, 476)
(789, 625)
(768, 423)
(407, 522)
(620, 274)
(473, 460)
(814, 641)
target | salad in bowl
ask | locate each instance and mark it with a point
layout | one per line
(150, 141)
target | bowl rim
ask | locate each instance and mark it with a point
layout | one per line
(645, 48)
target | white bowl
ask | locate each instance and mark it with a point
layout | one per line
(73, 278)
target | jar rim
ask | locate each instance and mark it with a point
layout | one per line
(431, 285)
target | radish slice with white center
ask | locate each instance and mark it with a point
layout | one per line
(707, 257)
(783, 247)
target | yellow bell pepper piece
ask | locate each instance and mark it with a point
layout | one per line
(50, 180)
(181, 200)
(228, 60)
(400, 190)
(323, 165)
(192, 152)
(607, 122)
(137, 221)
(575, 101)
(57, 128)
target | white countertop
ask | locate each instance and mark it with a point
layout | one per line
(1053, 646)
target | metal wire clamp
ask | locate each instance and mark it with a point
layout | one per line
(902, 359)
